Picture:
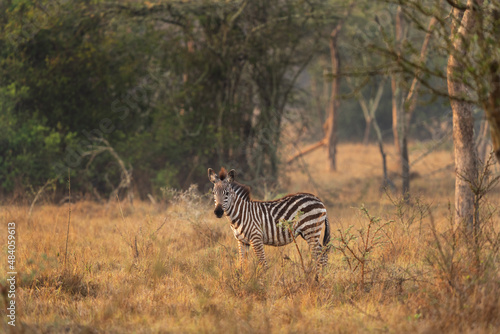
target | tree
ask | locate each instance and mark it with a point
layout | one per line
(369, 108)
(463, 121)
(330, 126)
(403, 106)
(468, 39)
(333, 105)
(217, 77)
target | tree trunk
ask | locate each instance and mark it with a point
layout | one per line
(317, 100)
(386, 182)
(411, 99)
(483, 142)
(400, 135)
(396, 91)
(331, 134)
(405, 166)
(402, 109)
(395, 112)
(368, 127)
(399, 127)
(369, 109)
(409, 106)
(493, 108)
(463, 123)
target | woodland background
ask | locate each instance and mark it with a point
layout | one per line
(112, 111)
(176, 87)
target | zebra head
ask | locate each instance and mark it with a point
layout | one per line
(223, 192)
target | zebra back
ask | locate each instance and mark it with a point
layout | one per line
(263, 217)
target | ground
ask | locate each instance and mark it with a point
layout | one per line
(172, 266)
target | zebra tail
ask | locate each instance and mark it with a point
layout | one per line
(326, 237)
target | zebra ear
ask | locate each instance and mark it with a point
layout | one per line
(212, 176)
(231, 175)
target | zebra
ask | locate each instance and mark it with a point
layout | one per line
(256, 223)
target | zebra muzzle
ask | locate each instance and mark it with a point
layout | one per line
(219, 211)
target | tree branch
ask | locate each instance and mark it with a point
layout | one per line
(457, 5)
(306, 150)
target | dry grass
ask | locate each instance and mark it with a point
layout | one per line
(172, 267)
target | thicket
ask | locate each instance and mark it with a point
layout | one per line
(172, 86)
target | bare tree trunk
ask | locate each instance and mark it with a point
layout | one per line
(326, 98)
(482, 141)
(411, 98)
(395, 112)
(399, 128)
(400, 132)
(493, 112)
(398, 114)
(463, 123)
(386, 182)
(330, 126)
(405, 165)
(396, 91)
(331, 133)
(368, 127)
(369, 109)
(409, 107)
(402, 109)
(493, 109)
(317, 100)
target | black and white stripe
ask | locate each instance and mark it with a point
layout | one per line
(255, 223)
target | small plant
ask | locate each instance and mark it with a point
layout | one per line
(191, 196)
(407, 214)
(358, 247)
(203, 231)
(465, 257)
(141, 242)
(484, 183)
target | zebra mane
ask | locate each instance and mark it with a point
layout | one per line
(222, 173)
(241, 189)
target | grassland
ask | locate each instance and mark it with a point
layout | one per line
(172, 266)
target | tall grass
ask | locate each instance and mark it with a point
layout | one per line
(172, 267)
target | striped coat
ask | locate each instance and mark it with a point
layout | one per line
(256, 223)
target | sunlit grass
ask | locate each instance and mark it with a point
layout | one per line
(172, 267)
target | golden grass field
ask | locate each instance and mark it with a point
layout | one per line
(172, 267)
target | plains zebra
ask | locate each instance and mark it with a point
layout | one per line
(255, 222)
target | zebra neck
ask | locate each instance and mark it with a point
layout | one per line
(240, 206)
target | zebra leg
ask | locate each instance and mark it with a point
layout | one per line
(324, 256)
(316, 251)
(243, 250)
(258, 247)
